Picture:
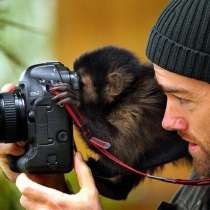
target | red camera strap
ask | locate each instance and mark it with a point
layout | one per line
(103, 147)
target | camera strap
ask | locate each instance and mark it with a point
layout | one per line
(103, 146)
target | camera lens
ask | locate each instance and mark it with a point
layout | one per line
(12, 118)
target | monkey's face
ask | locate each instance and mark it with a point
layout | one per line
(88, 88)
(101, 92)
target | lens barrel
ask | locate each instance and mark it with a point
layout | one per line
(12, 118)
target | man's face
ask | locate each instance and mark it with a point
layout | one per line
(188, 112)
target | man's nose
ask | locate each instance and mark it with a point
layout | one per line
(173, 119)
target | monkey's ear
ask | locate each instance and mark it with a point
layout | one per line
(116, 83)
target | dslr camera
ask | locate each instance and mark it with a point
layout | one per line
(28, 114)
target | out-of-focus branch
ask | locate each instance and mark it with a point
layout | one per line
(6, 22)
(12, 56)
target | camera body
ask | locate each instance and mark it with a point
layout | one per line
(29, 114)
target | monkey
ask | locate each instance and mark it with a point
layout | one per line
(124, 105)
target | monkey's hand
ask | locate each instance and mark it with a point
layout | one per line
(66, 95)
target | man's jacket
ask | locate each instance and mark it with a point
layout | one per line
(189, 198)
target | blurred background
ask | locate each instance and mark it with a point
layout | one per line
(43, 30)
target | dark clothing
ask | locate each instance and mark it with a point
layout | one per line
(189, 198)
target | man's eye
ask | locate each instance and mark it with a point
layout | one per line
(183, 100)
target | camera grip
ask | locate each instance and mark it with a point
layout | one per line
(13, 163)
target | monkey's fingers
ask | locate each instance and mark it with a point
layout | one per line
(61, 87)
(66, 97)
(67, 90)
(63, 95)
(68, 100)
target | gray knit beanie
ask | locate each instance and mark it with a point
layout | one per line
(180, 40)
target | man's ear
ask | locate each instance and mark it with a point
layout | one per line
(116, 83)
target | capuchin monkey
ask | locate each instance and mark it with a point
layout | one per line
(123, 105)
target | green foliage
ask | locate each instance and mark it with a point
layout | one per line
(26, 29)
(9, 195)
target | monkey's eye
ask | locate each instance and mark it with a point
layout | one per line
(94, 84)
(81, 84)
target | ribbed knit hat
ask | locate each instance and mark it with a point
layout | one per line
(180, 40)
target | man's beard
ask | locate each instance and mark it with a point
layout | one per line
(202, 165)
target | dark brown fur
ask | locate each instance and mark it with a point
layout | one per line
(124, 105)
